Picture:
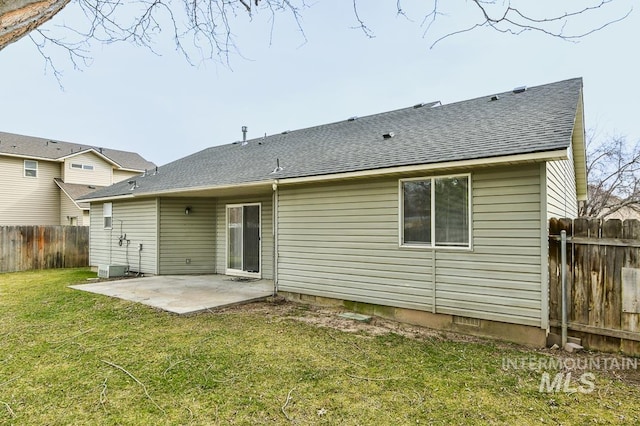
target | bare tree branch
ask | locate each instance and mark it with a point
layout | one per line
(613, 174)
(361, 25)
(512, 20)
(203, 29)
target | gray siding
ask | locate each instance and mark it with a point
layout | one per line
(29, 200)
(266, 237)
(138, 219)
(501, 278)
(185, 237)
(562, 200)
(341, 241)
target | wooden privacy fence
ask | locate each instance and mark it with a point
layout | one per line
(43, 247)
(603, 282)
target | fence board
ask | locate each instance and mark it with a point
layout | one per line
(597, 251)
(42, 247)
(631, 321)
(579, 309)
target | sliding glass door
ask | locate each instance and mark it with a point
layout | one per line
(243, 239)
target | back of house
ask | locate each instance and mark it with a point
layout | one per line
(435, 214)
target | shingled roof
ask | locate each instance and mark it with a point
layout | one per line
(75, 191)
(53, 150)
(539, 119)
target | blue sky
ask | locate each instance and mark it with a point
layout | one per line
(164, 108)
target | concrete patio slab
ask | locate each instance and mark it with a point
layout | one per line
(183, 294)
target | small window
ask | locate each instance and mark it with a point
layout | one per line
(107, 214)
(81, 166)
(435, 212)
(30, 168)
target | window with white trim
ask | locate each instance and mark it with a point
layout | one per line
(435, 212)
(30, 168)
(107, 214)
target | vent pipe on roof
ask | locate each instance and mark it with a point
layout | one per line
(520, 89)
(495, 97)
(278, 168)
(388, 135)
(244, 135)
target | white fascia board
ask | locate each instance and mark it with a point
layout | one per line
(560, 154)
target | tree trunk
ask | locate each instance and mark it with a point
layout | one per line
(19, 17)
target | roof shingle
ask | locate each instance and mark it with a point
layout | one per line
(33, 147)
(537, 120)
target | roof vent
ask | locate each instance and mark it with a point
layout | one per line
(133, 184)
(420, 105)
(285, 132)
(520, 89)
(495, 97)
(436, 104)
(244, 135)
(354, 118)
(388, 135)
(278, 168)
(91, 187)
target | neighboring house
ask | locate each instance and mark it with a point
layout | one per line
(627, 212)
(43, 178)
(612, 203)
(433, 214)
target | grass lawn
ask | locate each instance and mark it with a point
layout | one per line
(70, 357)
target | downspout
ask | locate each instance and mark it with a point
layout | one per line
(275, 237)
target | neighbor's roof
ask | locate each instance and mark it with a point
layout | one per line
(540, 119)
(75, 191)
(48, 149)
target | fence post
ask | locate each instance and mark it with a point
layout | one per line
(563, 260)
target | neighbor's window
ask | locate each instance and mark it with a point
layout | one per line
(81, 166)
(435, 211)
(107, 214)
(30, 168)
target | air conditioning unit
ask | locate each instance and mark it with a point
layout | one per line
(111, 271)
